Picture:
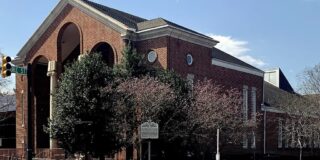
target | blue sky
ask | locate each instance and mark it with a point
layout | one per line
(267, 34)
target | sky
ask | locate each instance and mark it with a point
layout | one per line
(265, 33)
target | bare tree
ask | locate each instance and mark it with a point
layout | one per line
(207, 108)
(310, 80)
(300, 120)
(7, 100)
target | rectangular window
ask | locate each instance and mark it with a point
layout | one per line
(245, 103)
(315, 145)
(293, 137)
(245, 142)
(254, 103)
(315, 142)
(310, 142)
(286, 137)
(190, 79)
(22, 108)
(280, 136)
(245, 114)
(318, 141)
(253, 143)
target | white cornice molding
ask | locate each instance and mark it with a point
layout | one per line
(271, 109)
(236, 67)
(107, 20)
(171, 31)
(40, 31)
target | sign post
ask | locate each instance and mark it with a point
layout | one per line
(149, 130)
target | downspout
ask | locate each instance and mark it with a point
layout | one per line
(264, 119)
(264, 129)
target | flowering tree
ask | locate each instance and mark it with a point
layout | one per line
(149, 99)
(214, 107)
(150, 96)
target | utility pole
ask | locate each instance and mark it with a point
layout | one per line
(218, 152)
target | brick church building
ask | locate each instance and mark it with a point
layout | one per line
(76, 27)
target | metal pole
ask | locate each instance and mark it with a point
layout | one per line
(29, 132)
(264, 129)
(149, 150)
(218, 152)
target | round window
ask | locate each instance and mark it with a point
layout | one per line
(152, 56)
(189, 59)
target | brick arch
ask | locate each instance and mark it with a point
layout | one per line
(40, 101)
(108, 52)
(60, 42)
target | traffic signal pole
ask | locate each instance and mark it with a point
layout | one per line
(6, 70)
(29, 134)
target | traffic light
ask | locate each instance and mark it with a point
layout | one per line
(6, 66)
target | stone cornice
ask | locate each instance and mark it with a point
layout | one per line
(171, 31)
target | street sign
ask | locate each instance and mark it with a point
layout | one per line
(19, 70)
(149, 130)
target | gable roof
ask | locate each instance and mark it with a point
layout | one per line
(122, 22)
(138, 23)
(223, 56)
(125, 18)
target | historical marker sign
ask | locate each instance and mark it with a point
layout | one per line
(149, 130)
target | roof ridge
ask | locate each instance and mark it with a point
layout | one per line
(120, 14)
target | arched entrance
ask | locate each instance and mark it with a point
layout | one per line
(68, 43)
(41, 101)
(107, 52)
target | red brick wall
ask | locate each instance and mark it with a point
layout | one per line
(159, 45)
(202, 68)
(171, 55)
(92, 32)
(21, 84)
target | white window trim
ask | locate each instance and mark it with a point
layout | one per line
(190, 79)
(245, 142)
(254, 103)
(245, 114)
(253, 144)
(245, 103)
(280, 133)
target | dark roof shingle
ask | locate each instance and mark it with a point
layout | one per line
(223, 56)
(123, 17)
(136, 22)
(161, 22)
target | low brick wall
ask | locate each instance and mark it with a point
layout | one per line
(9, 154)
(50, 153)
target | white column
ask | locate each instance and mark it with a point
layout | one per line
(52, 72)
